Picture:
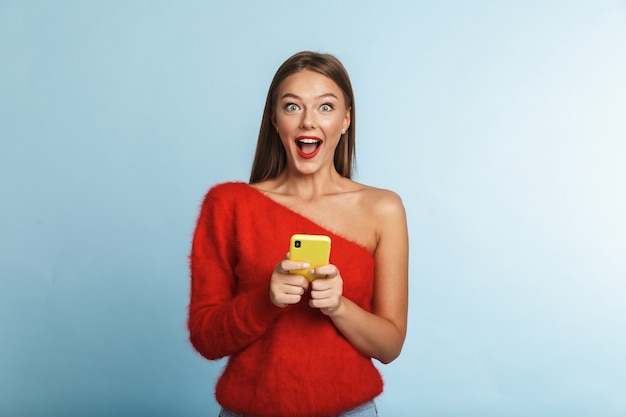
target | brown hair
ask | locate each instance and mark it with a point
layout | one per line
(270, 158)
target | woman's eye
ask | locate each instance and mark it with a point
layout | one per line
(326, 107)
(292, 107)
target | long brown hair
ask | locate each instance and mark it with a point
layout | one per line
(270, 158)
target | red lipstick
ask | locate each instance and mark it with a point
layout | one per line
(308, 146)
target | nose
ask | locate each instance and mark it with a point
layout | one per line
(308, 120)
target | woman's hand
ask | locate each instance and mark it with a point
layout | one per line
(286, 288)
(326, 293)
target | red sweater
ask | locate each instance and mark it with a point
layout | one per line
(282, 361)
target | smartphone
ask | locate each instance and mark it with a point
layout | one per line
(314, 249)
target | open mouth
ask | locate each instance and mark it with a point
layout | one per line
(308, 147)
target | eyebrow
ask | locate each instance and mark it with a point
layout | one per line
(290, 95)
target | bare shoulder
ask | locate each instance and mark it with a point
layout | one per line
(386, 209)
(382, 202)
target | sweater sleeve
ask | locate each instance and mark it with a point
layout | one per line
(222, 321)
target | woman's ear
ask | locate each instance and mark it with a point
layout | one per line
(346, 120)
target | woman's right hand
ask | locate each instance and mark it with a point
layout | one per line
(286, 288)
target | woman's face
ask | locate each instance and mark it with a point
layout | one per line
(310, 116)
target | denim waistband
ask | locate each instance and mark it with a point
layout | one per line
(367, 409)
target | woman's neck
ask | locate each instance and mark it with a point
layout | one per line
(310, 186)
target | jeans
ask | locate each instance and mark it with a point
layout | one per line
(366, 410)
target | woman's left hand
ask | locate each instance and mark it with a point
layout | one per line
(327, 292)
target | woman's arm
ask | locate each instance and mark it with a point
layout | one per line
(221, 321)
(381, 333)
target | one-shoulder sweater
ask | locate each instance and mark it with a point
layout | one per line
(282, 362)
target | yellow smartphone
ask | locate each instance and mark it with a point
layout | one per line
(314, 249)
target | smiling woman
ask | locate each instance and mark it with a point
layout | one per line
(310, 104)
(270, 158)
(299, 347)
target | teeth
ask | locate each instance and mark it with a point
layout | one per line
(307, 140)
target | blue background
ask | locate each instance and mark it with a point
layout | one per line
(500, 123)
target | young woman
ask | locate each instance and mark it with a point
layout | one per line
(300, 348)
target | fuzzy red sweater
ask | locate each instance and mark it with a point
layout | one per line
(282, 361)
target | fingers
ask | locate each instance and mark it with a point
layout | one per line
(288, 289)
(287, 295)
(327, 271)
(285, 288)
(326, 287)
(326, 293)
(286, 265)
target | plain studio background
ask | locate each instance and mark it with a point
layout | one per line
(501, 124)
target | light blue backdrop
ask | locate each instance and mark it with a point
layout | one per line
(501, 124)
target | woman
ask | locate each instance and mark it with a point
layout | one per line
(300, 348)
